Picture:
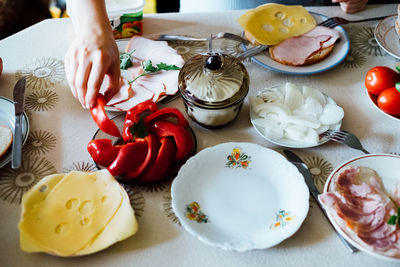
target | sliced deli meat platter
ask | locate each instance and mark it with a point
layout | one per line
(153, 86)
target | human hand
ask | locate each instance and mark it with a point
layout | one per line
(351, 6)
(90, 57)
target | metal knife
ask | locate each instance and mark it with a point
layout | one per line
(303, 169)
(19, 92)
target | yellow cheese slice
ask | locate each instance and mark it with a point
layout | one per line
(271, 23)
(122, 226)
(73, 214)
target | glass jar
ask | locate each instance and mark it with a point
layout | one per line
(213, 87)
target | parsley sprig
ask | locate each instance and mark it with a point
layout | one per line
(125, 60)
(138, 129)
(148, 68)
(395, 218)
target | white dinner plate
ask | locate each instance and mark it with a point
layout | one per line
(240, 196)
(339, 53)
(386, 36)
(285, 142)
(7, 117)
(388, 168)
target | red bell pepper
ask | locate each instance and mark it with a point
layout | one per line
(166, 113)
(100, 117)
(130, 157)
(102, 151)
(133, 116)
(162, 163)
(182, 137)
(152, 148)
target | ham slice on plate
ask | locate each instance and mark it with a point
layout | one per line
(152, 86)
(360, 206)
(299, 50)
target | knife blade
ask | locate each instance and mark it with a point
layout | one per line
(303, 169)
(19, 92)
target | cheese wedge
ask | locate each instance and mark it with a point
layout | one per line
(271, 23)
(75, 214)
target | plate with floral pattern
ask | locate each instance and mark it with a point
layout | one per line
(386, 36)
(240, 196)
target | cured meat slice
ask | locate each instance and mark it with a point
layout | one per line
(320, 30)
(153, 85)
(139, 95)
(296, 50)
(359, 204)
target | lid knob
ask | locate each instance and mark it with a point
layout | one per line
(214, 62)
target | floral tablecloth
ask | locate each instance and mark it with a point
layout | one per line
(61, 129)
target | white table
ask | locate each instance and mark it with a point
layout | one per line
(61, 129)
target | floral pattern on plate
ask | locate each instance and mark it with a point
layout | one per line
(194, 213)
(282, 219)
(238, 159)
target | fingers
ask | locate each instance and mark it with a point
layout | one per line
(114, 76)
(351, 6)
(95, 80)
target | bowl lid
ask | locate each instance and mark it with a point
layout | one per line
(213, 80)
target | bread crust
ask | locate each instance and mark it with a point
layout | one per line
(312, 59)
(6, 138)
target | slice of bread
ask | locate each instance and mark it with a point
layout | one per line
(6, 138)
(312, 59)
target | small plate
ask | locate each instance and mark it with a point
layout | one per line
(386, 36)
(339, 53)
(240, 196)
(388, 167)
(119, 121)
(374, 100)
(7, 117)
(284, 142)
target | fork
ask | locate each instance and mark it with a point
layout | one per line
(220, 35)
(344, 137)
(336, 21)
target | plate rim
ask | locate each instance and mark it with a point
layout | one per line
(377, 39)
(221, 245)
(25, 135)
(347, 47)
(332, 220)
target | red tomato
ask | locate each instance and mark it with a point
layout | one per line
(380, 78)
(389, 100)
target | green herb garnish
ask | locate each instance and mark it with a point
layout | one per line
(138, 129)
(395, 218)
(148, 68)
(125, 60)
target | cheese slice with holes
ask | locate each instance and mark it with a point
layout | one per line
(75, 214)
(272, 23)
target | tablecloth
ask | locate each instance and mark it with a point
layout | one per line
(61, 129)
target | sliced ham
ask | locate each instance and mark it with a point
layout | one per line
(320, 30)
(140, 95)
(360, 206)
(152, 86)
(297, 49)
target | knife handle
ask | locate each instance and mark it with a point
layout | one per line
(17, 143)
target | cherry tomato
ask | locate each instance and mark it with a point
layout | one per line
(389, 100)
(380, 78)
